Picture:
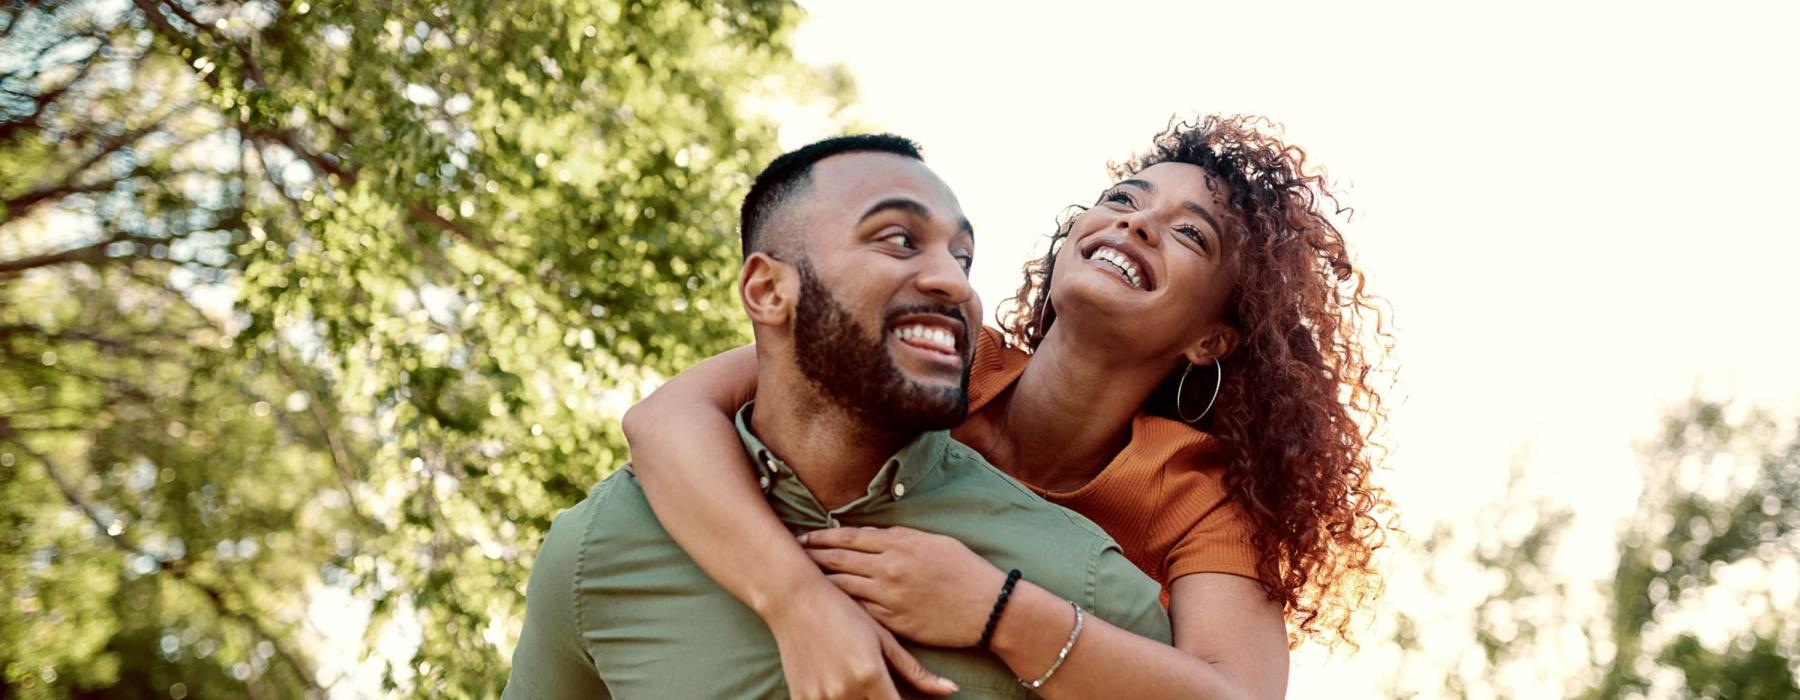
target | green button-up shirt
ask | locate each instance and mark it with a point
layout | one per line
(616, 609)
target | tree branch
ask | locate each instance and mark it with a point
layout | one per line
(453, 228)
(75, 498)
(291, 141)
(7, 331)
(176, 567)
(19, 205)
(91, 253)
(341, 460)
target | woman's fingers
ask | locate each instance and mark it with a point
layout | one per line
(908, 667)
(844, 561)
(858, 587)
(861, 539)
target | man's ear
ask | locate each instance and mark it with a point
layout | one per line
(1217, 343)
(769, 289)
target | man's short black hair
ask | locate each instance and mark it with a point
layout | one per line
(790, 174)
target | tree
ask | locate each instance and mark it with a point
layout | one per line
(334, 301)
(1696, 605)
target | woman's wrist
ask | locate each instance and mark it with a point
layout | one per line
(987, 630)
(1032, 629)
(782, 590)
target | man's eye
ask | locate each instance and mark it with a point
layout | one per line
(902, 240)
(967, 262)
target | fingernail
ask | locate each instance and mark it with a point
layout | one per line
(802, 537)
(950, 685)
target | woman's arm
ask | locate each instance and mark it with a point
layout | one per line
(688, 456)
(1230, 640)
(691, 463)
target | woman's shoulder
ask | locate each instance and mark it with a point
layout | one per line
(1176, 445)
(1196, 525)
(995, 367)
(1207, 530)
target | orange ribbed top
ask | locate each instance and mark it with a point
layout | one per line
(1162, 497)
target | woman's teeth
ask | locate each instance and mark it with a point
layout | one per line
(930, 334)
(1123, 262)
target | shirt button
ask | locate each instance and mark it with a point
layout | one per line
(764, 480)
(831, 522)
(899, 490)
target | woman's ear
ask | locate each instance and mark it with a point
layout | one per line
(769, 289)
(1217, 343)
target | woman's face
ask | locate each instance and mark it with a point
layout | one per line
(1148, 262)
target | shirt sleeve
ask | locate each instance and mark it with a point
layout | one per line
(550, 661)
(1219, 542)
(1127, 598)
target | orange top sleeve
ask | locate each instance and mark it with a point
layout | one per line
(1162, 498)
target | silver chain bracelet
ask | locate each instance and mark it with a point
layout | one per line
(1061, 655)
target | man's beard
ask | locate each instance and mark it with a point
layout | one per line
(851, 366)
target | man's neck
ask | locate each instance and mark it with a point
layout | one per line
(834, 452)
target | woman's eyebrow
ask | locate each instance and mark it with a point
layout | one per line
(1190, 206)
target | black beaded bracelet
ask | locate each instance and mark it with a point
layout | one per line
(987, 633)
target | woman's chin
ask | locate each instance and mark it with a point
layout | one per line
(1101, 297)
(1102, 318)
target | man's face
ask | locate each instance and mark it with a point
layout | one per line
(885, 319)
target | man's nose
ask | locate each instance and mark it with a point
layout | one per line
(944, 278)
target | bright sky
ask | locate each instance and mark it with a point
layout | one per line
(1580, 213)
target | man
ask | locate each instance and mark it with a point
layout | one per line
(856, 280)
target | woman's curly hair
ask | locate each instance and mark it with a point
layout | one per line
(1298, 411)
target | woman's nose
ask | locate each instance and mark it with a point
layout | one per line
(1137, 224)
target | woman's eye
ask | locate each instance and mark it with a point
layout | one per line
(1198, 237)
(1119, 197)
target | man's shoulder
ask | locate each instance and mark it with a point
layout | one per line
(967, 469)
(1057, 548)
(613, 521)
(624, 552)
(617, 510)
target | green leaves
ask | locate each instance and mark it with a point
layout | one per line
(1694, 607)
(343, 297)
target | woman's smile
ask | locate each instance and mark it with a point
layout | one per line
(1123, 261)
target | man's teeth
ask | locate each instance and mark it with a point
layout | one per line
(1124, 263)
(930, 334)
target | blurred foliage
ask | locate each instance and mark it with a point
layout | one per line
(1703, 602)
(313, 313)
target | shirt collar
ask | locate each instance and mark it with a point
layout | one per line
(900, 477)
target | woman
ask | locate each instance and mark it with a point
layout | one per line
(1188, 370)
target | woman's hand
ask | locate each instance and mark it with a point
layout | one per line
(830, 648)
(925, 587)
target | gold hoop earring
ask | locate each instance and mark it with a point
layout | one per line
(1219, 367)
